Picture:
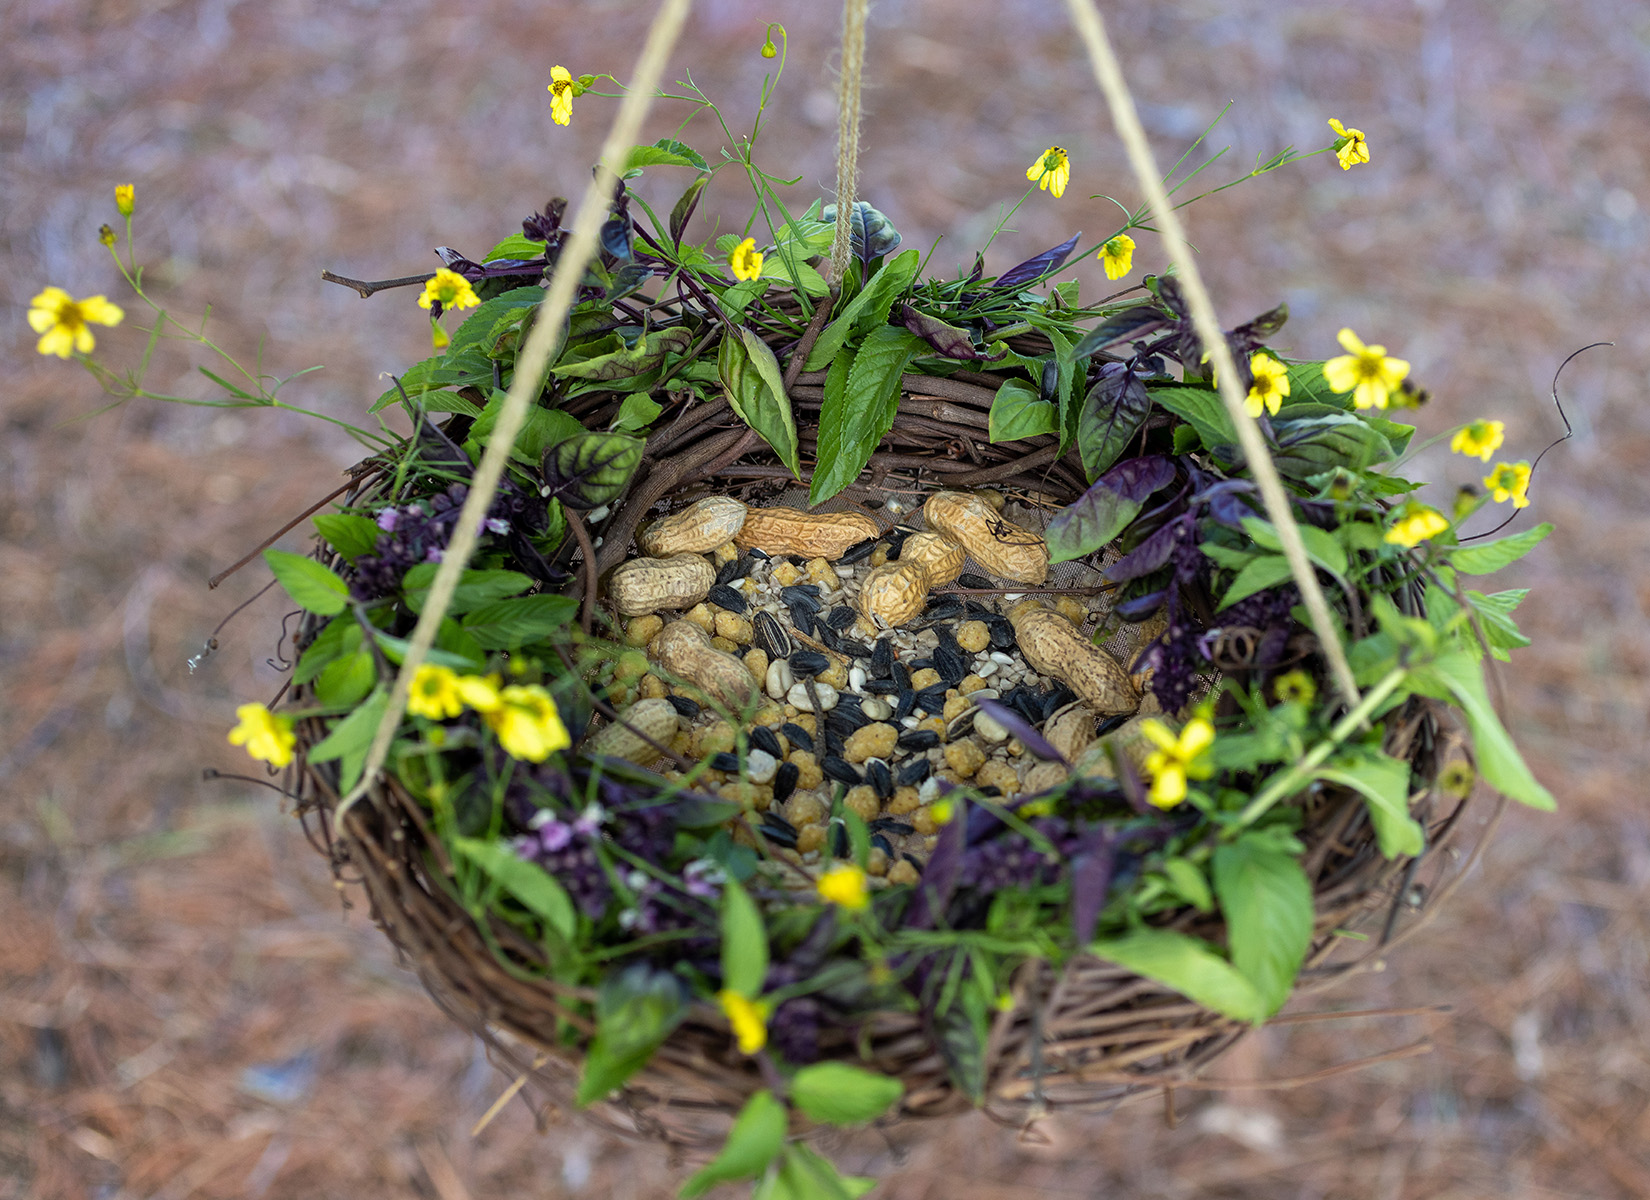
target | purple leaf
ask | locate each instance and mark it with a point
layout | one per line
(946, 340)
(1141, 607)
(1036, 268)
(1138, 478)
(1019, 727)
(1151, 553)
(939, 877)
(1129, 323)
(1091, 874)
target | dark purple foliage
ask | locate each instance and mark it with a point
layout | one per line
(1036, 268)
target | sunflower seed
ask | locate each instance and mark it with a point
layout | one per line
(951, 664)
(784, 782)
(840, 618)
(880, 778)
(932, 699)
(858, 551)
(943, 608)
(729, 598)
(778, 830)
(1002, 633)
(882, 658)
(804, 595)
(843, 721)
(760, 555)
(913, 773)
(880, 687)
(918, 739)
(900, 675)
(737, 569)
(840, 769)
(799, 737)
(765, 739)
(907, 701)
(684, 707)
(809, 662)
(881, 843)
(725, 762)
(770, 636)
(978, 583)
(803, 619)
(839, 839)
(890, 825)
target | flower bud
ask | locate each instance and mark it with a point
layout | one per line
(123, 199)
(769, 50)
(106, 235)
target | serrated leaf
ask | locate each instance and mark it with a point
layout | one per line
(351, 534)
(341, 636)
(591, 469)
(511, 624)
(1310, 445)
(1131, 322)
(1034, 268)
(528, 882)
(351, 738)
(463, 368)
(637, 412)
(666, 152)
(475, 587)
(757, 1137)
(1113, 411)
(477, 329)
(313, 587)
(839, 1094)
(755, 389)
(744, 942)
(1267, 902)
(1321, 546)
(1202, 409)
(857, 413)
(865, 311)
(609, 358)
(778, 265)
(1189, 967)
(1457, 677)
(1019, 411)
(516, 246)
(1492, 556)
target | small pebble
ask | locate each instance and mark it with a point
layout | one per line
(876, 708)
(779, 679)
(964, 758)
(798, 696)
(862, 801)
(925, 678)
(809, 773)
(856, 678)
(988, 729)
(760, 766)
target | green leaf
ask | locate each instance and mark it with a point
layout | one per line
(351, 738)
(609, 358)
(1321, 546)
(591, 469)
(839, 1094)
(1495, 614)
(313, 588)
(1457, 676)
(757, 1137)
(774, 266)
(1309, 444)
(517, 246)
(351, 534)
(636, 1009)
(744, 942)
(856, 414)
(1019, 411)
(1308, 386)
(511, 624)
(1189, 967)
(1229, 557)
(737, 298)
(683, 209)
(395, 649)
(476, 334)
(638, 411)
(756, 391)
(1202, 408)
(344, 681)
(543, 428)
(666, 152)
(341, 636)
(1492, 556)
(865, 311)
(528, 882)
(463, 368)
(1267, 902)
(1257, 576)
(1383, 782)
(474, 589)
(1189, 884)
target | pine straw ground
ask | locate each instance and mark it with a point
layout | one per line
(184, 1008)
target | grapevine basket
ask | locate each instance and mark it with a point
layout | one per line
(1081, 1038)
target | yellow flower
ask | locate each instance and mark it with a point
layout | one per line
(844, 884)
(1351, 147)
(265, 735)
(749, 1019)
(1052, 171)
(1510, 481)
(1270, 386)
(106, 235)
(1479, 440)
(123, 199)
(562, 90)
(1176, 759)
(1117, 256)
(480, 692)
(61, 321)
(1416, 523)
(1457, 778)
(527, 723)
(746, 260)
(449, 287)
(1295, 687)
(435, 693)
(1366, 371)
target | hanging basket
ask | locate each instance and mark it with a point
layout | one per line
(1080, 1035)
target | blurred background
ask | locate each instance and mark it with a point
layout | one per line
(188, 1007)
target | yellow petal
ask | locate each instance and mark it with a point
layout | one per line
(99, 310)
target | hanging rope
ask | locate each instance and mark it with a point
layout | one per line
(847, 132)
(1110, 77)
(535, 356)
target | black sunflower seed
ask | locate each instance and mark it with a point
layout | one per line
(684, 707)
(725, 762)
(978, 582)
(1059, 697)
(839, 839)
(729, 598)
(805, 595)
(882, 658)
(770, 636)
(900, 675)
(913, 773)
(880, 687)
(880, 778)
(809, 662)
(975, 609)
(943, 608)
(907, 701)
(778, 830)
(918, 739)
(799, 737)
(803, 619)
(895, 538)
(946, 637)
(858, 551)
(784, 782)
(737, 569)
(1002, 634)
(1111, 723)
(921, 664)
(932, 699)
(760, 555)
(852, 648)
(881, 843)
(840, 769)
(843, 721)
(841, 617)
(890, 825)
(951, 664)
(830, 637)
(1025, 702)
(912, 859)
(766, 740)
(991, 790)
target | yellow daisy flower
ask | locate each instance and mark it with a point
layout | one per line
(1295, 687)
(480, 692)
(1352, 147)
(746, 260)
(267, 737)
(1117, 256)
(527, 723)
(1176, 759)
(1270, 386)
(123, 199)
(1051, 171)
(1479, 440)
(449, 287)
(435, 693)
(61, 321)
(749, 1019)
(1365, 371)
(1416, 523)
(1510, 481)
(844, 885)
(562, 90)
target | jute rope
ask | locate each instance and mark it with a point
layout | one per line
(535, 356)
(1110, 77)
(847, 131)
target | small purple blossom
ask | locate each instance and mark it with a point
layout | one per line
(388, 519)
